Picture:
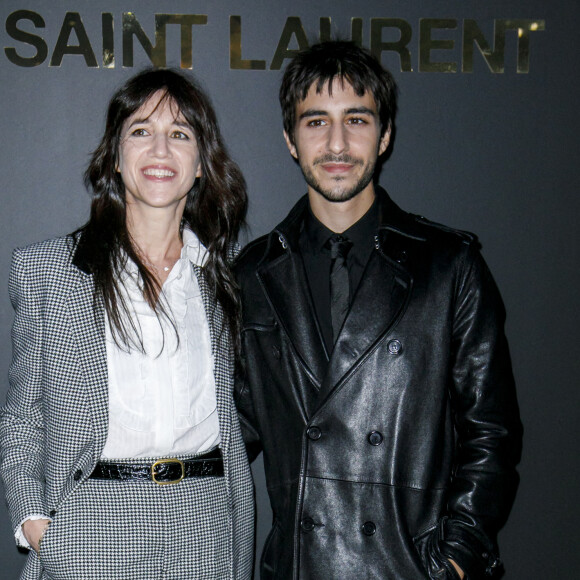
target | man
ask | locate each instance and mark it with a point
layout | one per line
(377, 377)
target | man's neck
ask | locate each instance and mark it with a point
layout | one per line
(339, 216)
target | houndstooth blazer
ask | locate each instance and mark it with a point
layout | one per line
(54, 424)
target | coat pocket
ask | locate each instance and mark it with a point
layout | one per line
(436, 565)
(271, 553)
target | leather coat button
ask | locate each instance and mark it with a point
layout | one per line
(307, 524)
(78, 474)
(369, 528)
(375, 438)
(314, 433)
(401, 257)
(395, 346)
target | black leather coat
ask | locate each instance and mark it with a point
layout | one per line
(399, 452)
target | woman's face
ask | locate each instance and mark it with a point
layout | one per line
(158, 156)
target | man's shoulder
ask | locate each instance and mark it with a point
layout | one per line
(251, 255)
(398, 222)
(438, 233)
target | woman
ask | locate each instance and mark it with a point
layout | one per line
(121, 451)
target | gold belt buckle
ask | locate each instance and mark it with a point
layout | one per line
(172, 481)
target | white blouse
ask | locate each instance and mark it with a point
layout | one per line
(162, 402)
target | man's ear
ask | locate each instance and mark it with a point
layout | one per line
(385, 140)
(291, 146)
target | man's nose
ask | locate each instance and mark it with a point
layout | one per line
(337, 138)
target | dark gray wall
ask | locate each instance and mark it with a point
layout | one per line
(494, 153)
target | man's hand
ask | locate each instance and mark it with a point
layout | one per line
(458, 569)
(33, 531)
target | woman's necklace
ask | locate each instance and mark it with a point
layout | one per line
(160, 267)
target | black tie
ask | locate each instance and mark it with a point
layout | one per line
(339, 283)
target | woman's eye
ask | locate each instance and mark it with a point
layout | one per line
(180, 135)
(139, 132)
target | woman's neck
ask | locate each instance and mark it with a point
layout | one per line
(157, 238)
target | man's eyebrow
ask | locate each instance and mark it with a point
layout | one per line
(313, 113)
(352, 111)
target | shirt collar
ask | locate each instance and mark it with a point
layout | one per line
(193, 249)
(359, 233)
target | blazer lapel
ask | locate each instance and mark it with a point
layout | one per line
(379, 301)
(88, 327)
(222, 352)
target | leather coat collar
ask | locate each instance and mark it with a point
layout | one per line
(383, 291)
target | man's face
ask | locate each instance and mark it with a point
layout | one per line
(337, 140)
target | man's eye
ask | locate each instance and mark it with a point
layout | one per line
(316, 123)
(357, 121)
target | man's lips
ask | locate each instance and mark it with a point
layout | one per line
(336, 167)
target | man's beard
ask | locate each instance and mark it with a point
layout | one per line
(338, 193)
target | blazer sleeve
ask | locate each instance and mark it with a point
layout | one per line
(21, 418)
(487, 424)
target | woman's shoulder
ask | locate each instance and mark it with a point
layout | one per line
(48, 254)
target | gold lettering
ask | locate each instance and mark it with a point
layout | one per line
(325, 29)
(72, 21)
(356, 30)
(131, 28)
(186, 22)
(26, 38)
(472, 35)
(108, 40)
(236, 60)
(378, 46)
(524, 27)
(427, 44)
(292, 27)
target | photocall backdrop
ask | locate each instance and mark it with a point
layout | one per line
(486, 141)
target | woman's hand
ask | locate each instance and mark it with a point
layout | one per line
(33, 531)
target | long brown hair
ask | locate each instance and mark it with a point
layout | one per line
(215, 208)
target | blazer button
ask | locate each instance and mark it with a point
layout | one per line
(78, 474)
(368, 528)
(394, 347)
(307, 524)
(314, 433)
(375, 438)
(52, 513)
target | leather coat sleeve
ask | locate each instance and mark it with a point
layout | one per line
(487, 425)
(21, 419)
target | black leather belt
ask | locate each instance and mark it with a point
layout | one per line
(163, 471)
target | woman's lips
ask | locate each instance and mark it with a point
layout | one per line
(157, 172)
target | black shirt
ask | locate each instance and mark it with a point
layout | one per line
(316, 256)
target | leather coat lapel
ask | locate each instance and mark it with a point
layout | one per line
(380, 300)
(284, 281)
(88, 327)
